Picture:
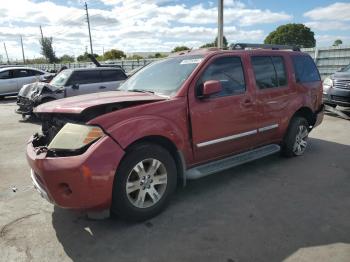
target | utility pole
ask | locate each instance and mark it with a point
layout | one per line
(8, 61)
(24, 60)
(42, 35)
(88, 22)
(220, 24)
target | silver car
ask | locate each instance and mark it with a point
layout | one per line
(69, 82)
(13, 78)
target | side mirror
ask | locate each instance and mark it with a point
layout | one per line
(211, 87)
(75, 86)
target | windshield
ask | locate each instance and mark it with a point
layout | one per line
(346, 69)
(61, 78)
(163, 77)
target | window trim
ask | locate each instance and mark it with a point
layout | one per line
(205, 67)
(274, 67)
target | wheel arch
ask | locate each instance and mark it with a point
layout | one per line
(170, 147)
(306, 113)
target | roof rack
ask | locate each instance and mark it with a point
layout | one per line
(242, 46)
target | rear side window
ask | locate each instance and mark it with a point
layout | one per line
(229, 71)
(269, 71)
(305, 69)
(35, 73)
(112, 75)
(86, 77)
(20, 73)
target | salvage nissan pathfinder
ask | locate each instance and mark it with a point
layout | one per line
(184, 117)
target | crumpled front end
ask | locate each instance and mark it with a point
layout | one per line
(81, 180)
(34, 94)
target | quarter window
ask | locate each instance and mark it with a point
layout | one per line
(305, 69)
(227, 70)
(269, 71)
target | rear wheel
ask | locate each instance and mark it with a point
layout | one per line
(144, 182)
(295, 141)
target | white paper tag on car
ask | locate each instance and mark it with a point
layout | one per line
(191, 61)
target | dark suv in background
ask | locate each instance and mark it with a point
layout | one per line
(336, 88)
(69, 82)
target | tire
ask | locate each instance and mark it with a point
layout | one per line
(139, 201)
(295, 141)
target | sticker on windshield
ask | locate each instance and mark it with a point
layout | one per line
(191, 61)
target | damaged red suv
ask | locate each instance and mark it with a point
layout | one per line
(190, 115)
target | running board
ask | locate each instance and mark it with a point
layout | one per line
(232, 161)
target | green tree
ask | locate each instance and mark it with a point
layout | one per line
(337, 42)
(180, 48)
(292, 34)
(47, 49)
(85, 57)
(135, 57)
(114, 54)
(67, 59)
(215, 43)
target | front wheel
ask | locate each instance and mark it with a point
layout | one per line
(295, 141)
(144, 182)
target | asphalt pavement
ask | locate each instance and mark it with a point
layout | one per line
(273, 209)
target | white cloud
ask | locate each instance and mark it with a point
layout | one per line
(338, 11)
(328, 25)
(130, 25)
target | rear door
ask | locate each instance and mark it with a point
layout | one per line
(84, 82)
(8, 84)
(24, 76)
(111, 79)
(224, 123)
(274, 93)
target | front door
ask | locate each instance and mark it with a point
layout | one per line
(224, 123)
(8, 84)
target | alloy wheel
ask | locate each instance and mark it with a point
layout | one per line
(300, 140)
(146, 183)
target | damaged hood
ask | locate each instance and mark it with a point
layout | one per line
(36, 88)
(77, 104)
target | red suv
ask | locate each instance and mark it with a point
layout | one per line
(184, 117)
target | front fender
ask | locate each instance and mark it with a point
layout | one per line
(133, 129)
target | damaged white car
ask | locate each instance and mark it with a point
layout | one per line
(70, 82)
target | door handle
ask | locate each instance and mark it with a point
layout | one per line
(102, 87)
(247, 102)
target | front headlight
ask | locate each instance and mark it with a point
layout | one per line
(328, 82)
(75, 136)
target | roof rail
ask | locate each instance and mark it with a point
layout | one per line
(242, 46)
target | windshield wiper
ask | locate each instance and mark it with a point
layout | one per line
(141, 91)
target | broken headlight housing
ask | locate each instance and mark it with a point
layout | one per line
(73, 137)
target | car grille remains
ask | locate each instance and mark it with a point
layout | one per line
(343, 84)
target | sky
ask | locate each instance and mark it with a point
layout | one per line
(160, 25)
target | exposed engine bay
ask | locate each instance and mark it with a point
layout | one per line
(52, 123)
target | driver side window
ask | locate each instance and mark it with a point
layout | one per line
(227, 70)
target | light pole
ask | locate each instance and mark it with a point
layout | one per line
(220, 24)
